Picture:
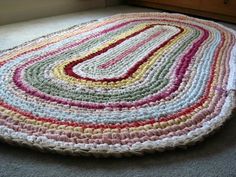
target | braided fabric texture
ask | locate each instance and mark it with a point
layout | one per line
(121, 85)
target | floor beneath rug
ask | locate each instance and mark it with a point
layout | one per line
(214, 157)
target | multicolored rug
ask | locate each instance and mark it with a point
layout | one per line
(121, 85)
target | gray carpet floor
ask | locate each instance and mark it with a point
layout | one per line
(214, 157)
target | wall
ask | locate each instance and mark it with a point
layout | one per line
(19, 10)
(114, 2)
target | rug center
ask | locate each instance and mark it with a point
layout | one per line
(122, 55)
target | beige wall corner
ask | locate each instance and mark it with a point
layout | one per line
(114, 2)
(20, 10)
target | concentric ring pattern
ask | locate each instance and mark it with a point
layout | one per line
(120, 85)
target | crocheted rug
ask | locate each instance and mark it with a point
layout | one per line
(122, 85)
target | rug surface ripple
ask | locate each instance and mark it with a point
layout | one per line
(121, 85)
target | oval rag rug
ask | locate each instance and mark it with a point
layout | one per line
(122, 85)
